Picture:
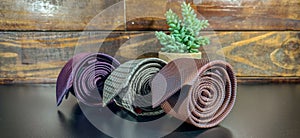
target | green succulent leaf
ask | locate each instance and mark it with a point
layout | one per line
(184, 34)
(176, 31)
(194, 51)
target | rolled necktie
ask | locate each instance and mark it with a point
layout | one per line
(129, 86)
(84, 76)
(197, 91)
(64, 83)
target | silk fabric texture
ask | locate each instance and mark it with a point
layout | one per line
(84, 75)
(129, 86)
(197, 91)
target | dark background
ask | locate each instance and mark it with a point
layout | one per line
(269, 111)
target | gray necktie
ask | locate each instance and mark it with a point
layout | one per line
(129, 86)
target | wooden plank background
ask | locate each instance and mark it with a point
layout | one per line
(222, 14)
(260, 38)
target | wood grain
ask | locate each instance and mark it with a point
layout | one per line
(269, 53)
(267, 80)
(262, 53)
(65, 15)
(260, 38)
(60, 15)
(39, 56)
(221, 14)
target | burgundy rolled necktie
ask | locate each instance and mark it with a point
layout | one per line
(84, 76)
(197, 91)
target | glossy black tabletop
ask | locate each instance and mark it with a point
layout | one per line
(261, 111)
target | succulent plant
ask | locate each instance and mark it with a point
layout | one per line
(184, 34)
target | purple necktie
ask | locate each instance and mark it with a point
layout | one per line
(84, 76)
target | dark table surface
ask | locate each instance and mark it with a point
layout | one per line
(261, 111)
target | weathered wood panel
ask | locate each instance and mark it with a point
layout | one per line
(262, 53)
(146, 14)
(60, 15)
(221, 14)
(39, 56)
(264, 80)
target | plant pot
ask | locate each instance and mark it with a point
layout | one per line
(172, 56)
